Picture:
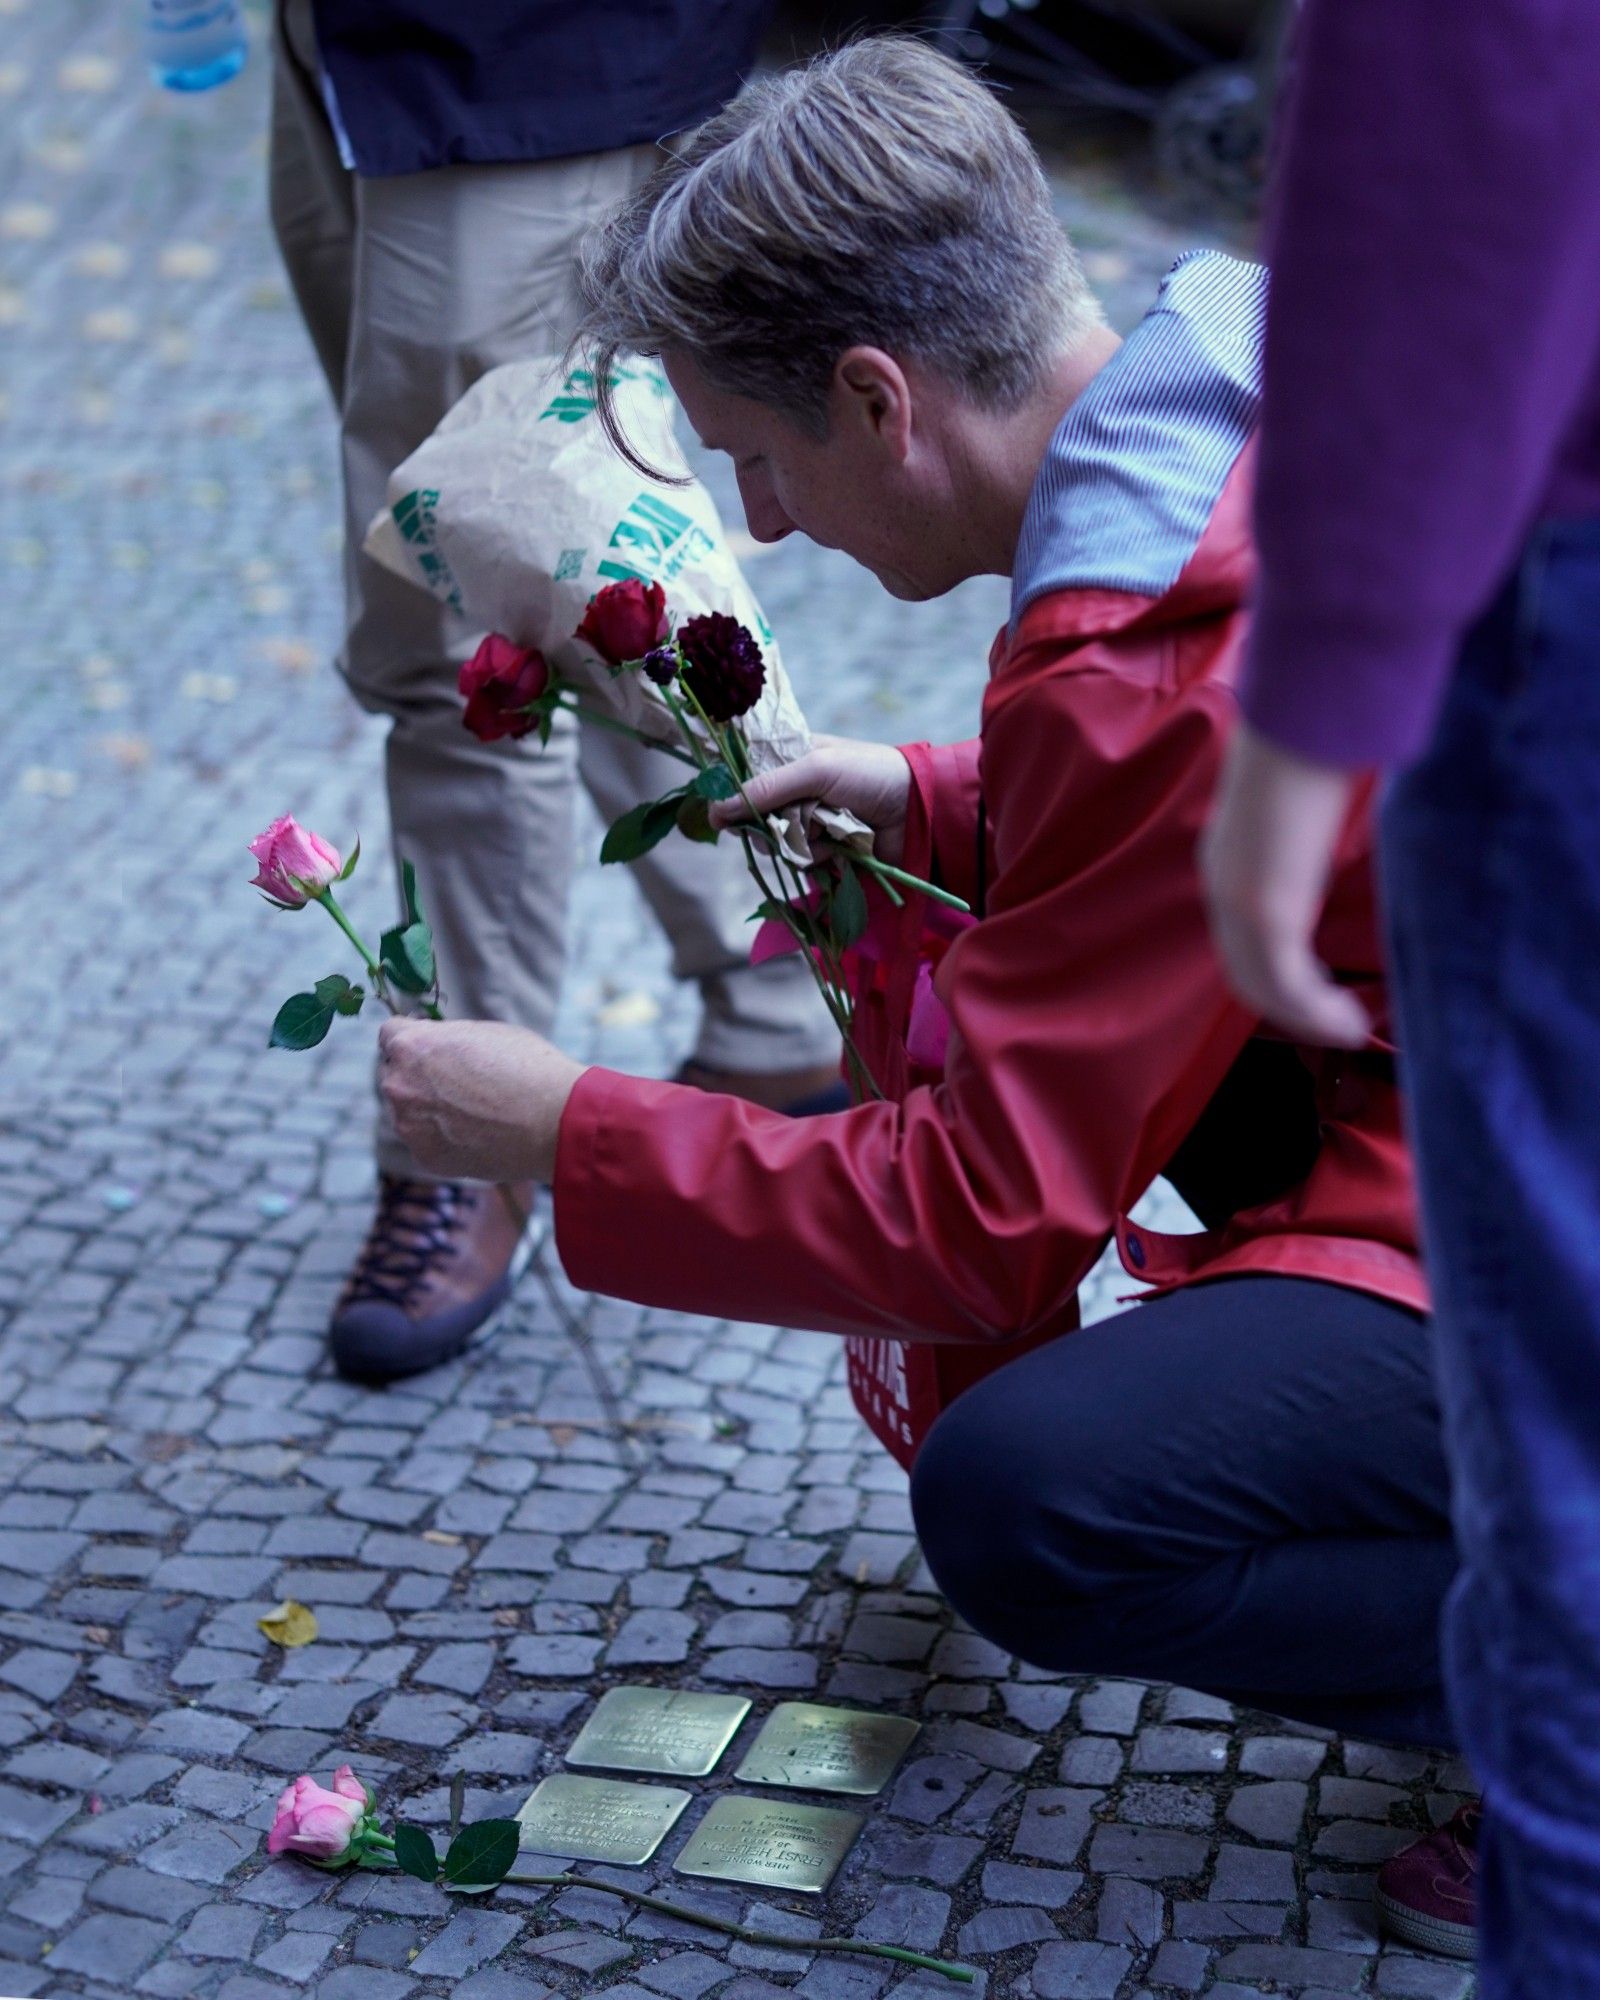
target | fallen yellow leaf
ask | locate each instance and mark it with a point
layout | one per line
(438, 1535)
(290, 1625)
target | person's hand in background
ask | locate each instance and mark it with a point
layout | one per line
(1265, 858)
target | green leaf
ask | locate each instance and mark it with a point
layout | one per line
(847, 908)
(737, 753)
(350, 1001)
(694, 821)
(408, 885)
(415, 1853)
(482, 1854)
(407, 956)
(716, 781)
(349, 867)
(330, 991)
(300, 1023)
(642, 828)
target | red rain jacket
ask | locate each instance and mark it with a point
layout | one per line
(948, 1229)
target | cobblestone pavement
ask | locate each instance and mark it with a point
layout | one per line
(177, 1205)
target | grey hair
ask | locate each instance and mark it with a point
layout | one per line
(877, 195)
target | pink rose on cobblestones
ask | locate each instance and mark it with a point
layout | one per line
(500, 685)
(320, 1824)
(293, 863)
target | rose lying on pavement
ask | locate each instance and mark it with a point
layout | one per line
(481, 1856)
(331, 1828)
(501, 685)
(294, 865)
(625, 620)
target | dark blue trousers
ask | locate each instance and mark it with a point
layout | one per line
(1240, 1487)
(1492, 867)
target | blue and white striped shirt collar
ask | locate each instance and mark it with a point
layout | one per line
(1135, 468)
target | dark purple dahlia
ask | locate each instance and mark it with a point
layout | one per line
(722, 667)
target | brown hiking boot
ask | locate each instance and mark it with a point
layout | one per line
(1427, 1894)
(439, 1258)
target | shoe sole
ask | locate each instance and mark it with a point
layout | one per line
(1435, 1934)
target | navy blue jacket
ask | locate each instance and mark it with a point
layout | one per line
(432, 83)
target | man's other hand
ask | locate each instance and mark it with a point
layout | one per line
(872, 780)
(1265, 858)
(475, 1100)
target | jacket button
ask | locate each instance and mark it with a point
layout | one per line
(1135, 1250)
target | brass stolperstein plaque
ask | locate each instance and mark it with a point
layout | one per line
(654, 1729)
(598, 1819)
(827, 1749)
(778, 1843)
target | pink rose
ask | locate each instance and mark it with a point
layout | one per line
(294, 864)
(500, 684)
(317, 1823)
(625, 620)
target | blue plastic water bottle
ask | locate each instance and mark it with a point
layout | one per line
(194, 44)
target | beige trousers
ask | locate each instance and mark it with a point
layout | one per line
(412, 287)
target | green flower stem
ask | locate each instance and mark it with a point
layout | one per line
(830, 977)
(682, 721)
(887, 874)
(594, 715)
(380, 985)
(833, 995)
(962, 1974)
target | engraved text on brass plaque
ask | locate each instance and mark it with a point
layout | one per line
(655, 1729)
(778, 1843)
(827, 1749)
(598, 1819)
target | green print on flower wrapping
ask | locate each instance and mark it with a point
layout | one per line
(575, 399)
(653, 541)
(416, 519)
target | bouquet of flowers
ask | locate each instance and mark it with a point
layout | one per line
(517, 512)
(697, 690)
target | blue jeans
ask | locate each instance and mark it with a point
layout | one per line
(1492, 869)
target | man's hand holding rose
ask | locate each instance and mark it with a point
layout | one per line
(475, 1100)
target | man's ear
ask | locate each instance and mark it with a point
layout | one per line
(870, 390)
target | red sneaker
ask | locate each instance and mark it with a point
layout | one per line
(1427, 1893)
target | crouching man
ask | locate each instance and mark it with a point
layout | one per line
(859, 291)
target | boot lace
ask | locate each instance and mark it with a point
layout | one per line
(416, 1225)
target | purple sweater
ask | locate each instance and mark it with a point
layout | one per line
(1433, 350)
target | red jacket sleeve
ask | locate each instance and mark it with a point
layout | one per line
(1090, 1024)
(943, 821)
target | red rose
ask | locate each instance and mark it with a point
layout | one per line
(625, 620)
(500, 684)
